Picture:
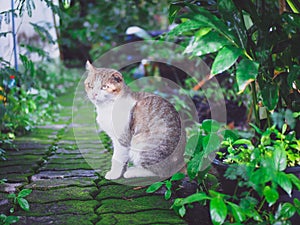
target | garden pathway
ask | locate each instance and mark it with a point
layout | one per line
(66, 190)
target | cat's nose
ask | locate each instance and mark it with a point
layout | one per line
(95, 94)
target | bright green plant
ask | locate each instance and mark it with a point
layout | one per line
(252, 38)
(19, 199)
(240, 150)
(167, 183)
(6, 220)
(258, 172)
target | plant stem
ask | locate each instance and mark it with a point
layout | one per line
(261, 204)
(255, 105)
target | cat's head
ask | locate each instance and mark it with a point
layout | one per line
(102, 84)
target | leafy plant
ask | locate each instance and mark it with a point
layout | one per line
(6, 220)
(19, 199)
(250, 37)
(167, 183)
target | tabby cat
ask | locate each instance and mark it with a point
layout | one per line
(145, 129)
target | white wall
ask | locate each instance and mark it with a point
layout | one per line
(25, 32)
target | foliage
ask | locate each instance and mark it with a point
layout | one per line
(272, 140)
(167, 183)
(94, 26)
(258, 172)
(19, 199)
(249, 37)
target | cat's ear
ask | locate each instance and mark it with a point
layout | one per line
(89, 67)
(117, 77)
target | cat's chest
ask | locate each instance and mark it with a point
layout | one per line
(114, 119)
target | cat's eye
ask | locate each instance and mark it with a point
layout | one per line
(90, 85)
(104, 87)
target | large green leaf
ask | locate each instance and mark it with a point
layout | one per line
(279, 159)
(195, 164)
(218, 211)
(226, 57)
(186, 26)
(195, 198)
(208, 43)
(211, 126)
(271, 195)
(211, 143)
(237, 212)
(285, 211)
(246, 73)
(24, 193)
(154, 187)
(270, 95)
(173, 10)
(23, 203)
(207, 19)
(282, 179)
(230, 13)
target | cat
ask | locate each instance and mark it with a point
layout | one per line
(145, 129)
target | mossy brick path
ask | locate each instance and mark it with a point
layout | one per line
(66, 190)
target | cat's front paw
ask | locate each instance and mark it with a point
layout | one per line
(112, 175)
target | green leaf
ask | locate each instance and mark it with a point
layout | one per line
(192, 144)
(209, 43)
(154, 187)
(293, 75)
(231, 14)
(168, 194)
(194, 165)
(279, 159)
(24, 193)
(297, 205)
(226, 57)
(11, 219)
(282, 179)
(211, 143)
(23, 204)
(184, 27)
(182, 211)
(271, 195)
(173, 10)
(246, 73)
(243, 142)
(285, 211)
(208, 19)
(218, 211)
(237, 212)
(197, 197)
(177, 176)
(295, 180)
(211, 126)
(270, 95)
(168, 184)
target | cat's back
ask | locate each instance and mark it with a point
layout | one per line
(156, 117)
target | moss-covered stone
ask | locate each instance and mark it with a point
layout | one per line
(131, 205)
(16, 169)
(68, 193)
(49, 184)
(68, 219)
(120, 191)
(63, 174)
(16, 177)
(74, 207)
(139, 218)
(67, 167)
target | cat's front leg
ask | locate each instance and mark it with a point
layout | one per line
(118, 162)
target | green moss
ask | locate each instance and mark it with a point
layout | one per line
(67, 167)
(145, 217)
(74, 207)
(120, 191)
(132, 205)
(68, 193)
